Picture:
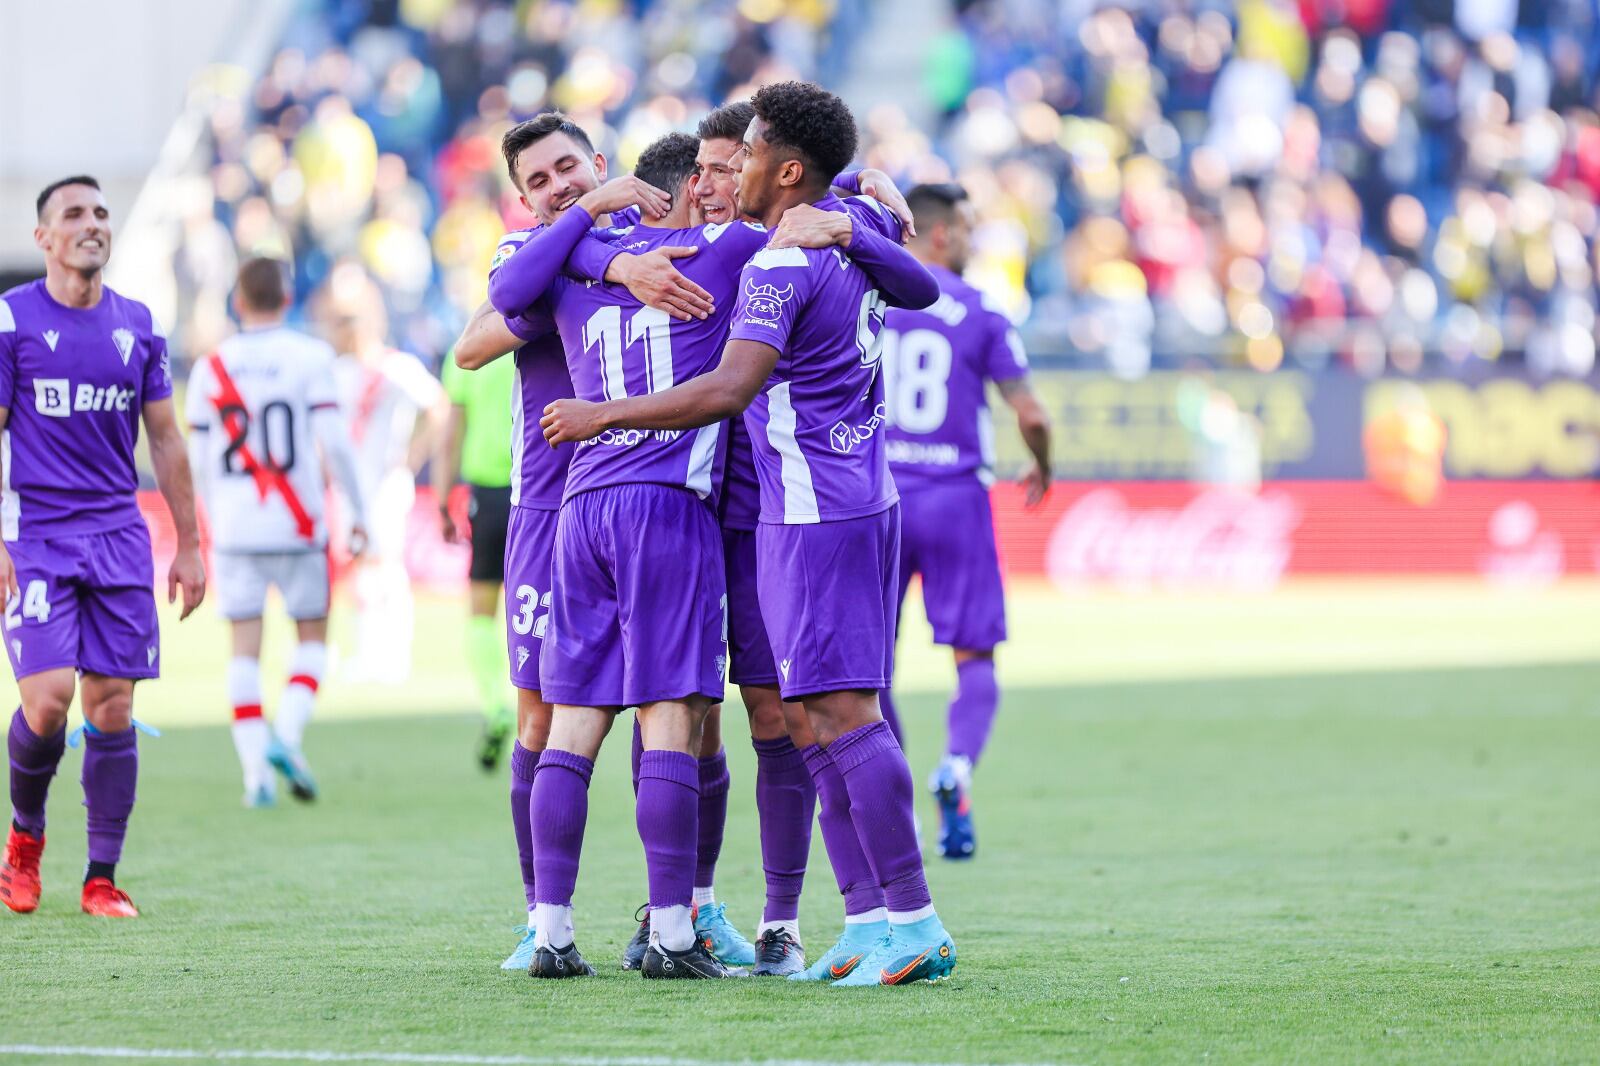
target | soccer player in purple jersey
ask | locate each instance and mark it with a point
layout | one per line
(79, 366)
(802, 357)
(553, 165)
(936, 363)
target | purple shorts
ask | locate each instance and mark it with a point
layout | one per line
(530, 547)
(947, 536)
(828, 597)
(749, 652)
(638, 608)
(87, 602)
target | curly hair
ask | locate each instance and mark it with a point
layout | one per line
(727, 122)
(668, 163)
(811, 122)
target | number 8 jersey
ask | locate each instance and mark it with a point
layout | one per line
(251, 407)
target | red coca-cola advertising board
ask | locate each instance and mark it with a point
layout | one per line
(1166, 534)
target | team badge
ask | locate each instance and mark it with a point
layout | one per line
(50, 338)
(124, 341)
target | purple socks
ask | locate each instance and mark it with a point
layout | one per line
(110, 776)
(879, 783)
(523, 765)
(667, 813)
(857, 883)
(785, 799)
(972, 708)
(713, 817)
(560, 811)
(33, 764)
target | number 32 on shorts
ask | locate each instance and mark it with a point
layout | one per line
(33, 603)
(528, 601)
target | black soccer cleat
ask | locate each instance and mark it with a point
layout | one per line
(559, 962)
(633, 954)
(778, 954)
(694, 963)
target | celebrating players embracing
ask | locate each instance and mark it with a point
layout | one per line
(80, 365)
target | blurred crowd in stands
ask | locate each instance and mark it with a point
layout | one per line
(1364, 183)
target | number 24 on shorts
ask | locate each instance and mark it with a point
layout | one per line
(33, 603)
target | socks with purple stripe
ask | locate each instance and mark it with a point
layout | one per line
(973, 707)
(857, 883)
(713, 820)
(560, 812)
(891, 715)
(523, 765)
(33, 764)
(667, 813)
(785, 800)
(879, 782)
(110, 778)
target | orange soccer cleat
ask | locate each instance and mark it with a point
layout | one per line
(106, 900)
(19, 874)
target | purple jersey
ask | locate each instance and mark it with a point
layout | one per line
(740, 503)
(618, 347)
(817, 424)
(75, 381)
(936, 363)
(538, 471)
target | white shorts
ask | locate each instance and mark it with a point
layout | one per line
(301, 578)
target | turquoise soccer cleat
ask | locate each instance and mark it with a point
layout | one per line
(847, 954)
(291, 763)
(261, 797)
(724, 942)
(521, 958)
(920, 951)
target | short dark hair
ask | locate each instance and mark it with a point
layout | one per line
(668, 163)
(811, 122)
(264, 283)
(50, 190)
(728, 122)
(533, 131)
(934, 201)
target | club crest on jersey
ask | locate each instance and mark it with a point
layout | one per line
(51, 336)
(123, 338)
(150, 656)
(764, 303)
(522, 656)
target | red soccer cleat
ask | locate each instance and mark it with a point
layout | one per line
(19, 874)
(105, 900)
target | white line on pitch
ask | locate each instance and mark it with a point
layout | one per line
(247, 1054)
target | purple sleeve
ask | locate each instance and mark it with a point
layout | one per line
(523, 278)
(849, 181)
(771, 289)
(591, 258)
(1005, 359)
(537, 321)
(158, 368)
(903, 281)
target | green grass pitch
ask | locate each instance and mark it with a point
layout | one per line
(1340, 823)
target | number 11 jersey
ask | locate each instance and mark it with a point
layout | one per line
(262, 472)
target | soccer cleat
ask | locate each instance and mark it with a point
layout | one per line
(558, 963)
(19, 873)
(951, 785)
(854, 944)
(778, 954)
(692, 963)
(633, 954)
(727, 943)
(866, 966)
(922, 951)
(492, 742)
(103, 899)
(261, 797)
(522, 958)
(291, 763)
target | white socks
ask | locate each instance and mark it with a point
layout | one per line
(671, 927)
(788, 925)
(876, 914)
(250, 733)
(704, 896)
(554, 925)
(907, 917)
(300, 694)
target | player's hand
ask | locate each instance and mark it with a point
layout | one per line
(8, 579)
(619, 193)
(568, 421)
(189, 573)
(447, 526)
(358, 538)
(1035, 484)
(881, 187)
(804, 226)
(655, 282)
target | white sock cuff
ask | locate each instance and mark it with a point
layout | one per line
(310, 659)
(704, 897)
(907, 917)
(244, 681)
(788, 925)
(876, 914)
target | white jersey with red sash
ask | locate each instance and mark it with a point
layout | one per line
(253, 399)
(383, 399)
